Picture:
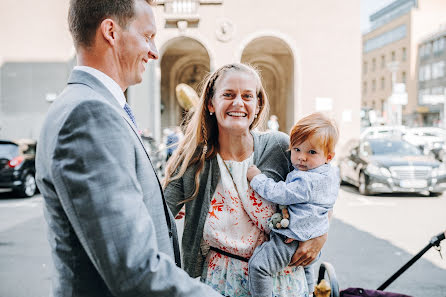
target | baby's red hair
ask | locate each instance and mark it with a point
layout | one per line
(319, 129)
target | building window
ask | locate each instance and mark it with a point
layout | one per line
(435, 46)
(438, 45)
(383, 83)
(386, 38)
(427, 72)
(365, 68)
(427, 49)
(364, 88)
(373, 85)
(403, 54)
(393, 56)
(421, 74)
(373, 64)
(437, 91)
(441, 44)
(403, 77)
(438, 69)
(383, 61)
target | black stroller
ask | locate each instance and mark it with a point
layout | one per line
(327, 272)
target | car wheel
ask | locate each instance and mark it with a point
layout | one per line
(29, 187)
(363, 184)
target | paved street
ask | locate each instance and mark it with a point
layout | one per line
(370, 239)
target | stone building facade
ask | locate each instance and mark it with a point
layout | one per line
(308, 52)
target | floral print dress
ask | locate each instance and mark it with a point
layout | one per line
(236, 224)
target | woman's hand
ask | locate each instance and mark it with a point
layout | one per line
(308, 250)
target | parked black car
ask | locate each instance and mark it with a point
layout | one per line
(386, 165)
(17, 166)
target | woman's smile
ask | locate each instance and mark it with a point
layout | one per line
(237, 114)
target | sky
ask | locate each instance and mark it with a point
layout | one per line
(368, 7)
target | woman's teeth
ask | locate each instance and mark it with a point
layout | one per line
(237, 114)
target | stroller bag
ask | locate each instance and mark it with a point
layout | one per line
(358, 292)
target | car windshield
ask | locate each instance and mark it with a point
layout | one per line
(8, 150)
(391, 147)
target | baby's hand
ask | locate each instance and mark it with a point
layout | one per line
(252, 171)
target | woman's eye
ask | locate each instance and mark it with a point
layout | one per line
(248, 96)
(227, 95)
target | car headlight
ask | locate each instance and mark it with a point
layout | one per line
(439, 171)
(376, 170)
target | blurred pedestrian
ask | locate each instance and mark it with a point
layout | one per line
(172, 140)
(273, 123)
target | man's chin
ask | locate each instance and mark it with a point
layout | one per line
(136, 80)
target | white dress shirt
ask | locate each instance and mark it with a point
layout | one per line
(109, 83)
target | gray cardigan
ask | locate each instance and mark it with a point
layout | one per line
(272, 157)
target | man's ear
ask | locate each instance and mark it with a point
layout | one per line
(108, 30)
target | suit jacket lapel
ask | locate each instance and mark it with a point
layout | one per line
(85, 78)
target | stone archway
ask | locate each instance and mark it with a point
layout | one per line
(184, 60)
(274, 59)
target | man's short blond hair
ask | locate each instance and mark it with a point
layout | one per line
(85, 16)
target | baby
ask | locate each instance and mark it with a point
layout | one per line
(310, 191)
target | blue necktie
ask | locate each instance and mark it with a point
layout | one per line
(129, 112)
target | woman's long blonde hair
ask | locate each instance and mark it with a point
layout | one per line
(200, 141)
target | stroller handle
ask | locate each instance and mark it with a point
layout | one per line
(435, 241)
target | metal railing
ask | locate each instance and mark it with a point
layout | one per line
(181, 7)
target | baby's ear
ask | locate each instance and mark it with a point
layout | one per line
(330, 156)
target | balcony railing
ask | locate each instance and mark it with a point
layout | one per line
(176, 10)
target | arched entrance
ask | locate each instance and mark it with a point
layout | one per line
(184, 60)
(274, 58)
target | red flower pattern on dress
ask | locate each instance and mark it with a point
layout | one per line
(236, 225)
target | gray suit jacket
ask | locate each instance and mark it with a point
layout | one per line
(109, 228)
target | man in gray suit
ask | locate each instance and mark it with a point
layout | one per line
(109, 228)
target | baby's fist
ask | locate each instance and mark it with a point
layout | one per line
(252, 171)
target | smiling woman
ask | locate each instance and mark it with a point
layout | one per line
(226, 219)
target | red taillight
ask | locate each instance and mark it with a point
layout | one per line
(16, 161)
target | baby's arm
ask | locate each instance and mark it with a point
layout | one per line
(296, 191)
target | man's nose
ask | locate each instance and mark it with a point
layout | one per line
(153, 52)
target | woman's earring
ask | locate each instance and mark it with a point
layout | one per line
(255, 116)
(211, 113)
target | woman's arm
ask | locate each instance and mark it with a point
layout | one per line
(174, 195)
